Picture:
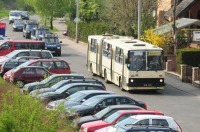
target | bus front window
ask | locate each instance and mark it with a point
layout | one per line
(154, 61)
(137, 61)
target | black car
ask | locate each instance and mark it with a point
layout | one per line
(138, 128)
(104, 113)
(68, 90)
(8, 65)
(25, 15)
(18, 25)
(38, 33)
(49, 81)
(65, 82)
(28, 27)
(76, 98)
(97, 103)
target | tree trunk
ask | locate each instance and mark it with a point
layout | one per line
(51, 23)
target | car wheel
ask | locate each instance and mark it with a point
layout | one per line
(20, 84)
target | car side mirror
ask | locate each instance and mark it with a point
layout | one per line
(83, 100)
(127, 61)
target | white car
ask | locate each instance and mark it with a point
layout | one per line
(14, 14)
(151, 120)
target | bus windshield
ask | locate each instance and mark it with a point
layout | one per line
(145, 61)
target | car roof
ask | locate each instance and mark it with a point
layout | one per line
(48, 60)
(107, 96)
(87, 84)
(21, 50)
(140, 111)
(94, 91)
(122, 106)
(23, 40)
(72, 74)
(139, 117)
(32, 67)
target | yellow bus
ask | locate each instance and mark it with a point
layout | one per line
(129, 63)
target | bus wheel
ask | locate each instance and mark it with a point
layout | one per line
(91, 70)
(20, 84)
(120, 85)
(105, 77)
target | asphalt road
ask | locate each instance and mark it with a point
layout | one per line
(178, 100)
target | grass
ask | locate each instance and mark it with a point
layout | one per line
(22, 113)
(4, 13)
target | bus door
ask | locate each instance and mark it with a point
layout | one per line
(6, 48)
(118, 66)
(100, 51)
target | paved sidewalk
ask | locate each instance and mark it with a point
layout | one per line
(82, 48)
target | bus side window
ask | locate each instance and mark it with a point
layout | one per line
(7, 45)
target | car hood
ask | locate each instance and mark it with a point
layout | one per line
(96, 124)
(107, 129)
(46, 94)
(39, 91)
(69, 103)
(3, 59)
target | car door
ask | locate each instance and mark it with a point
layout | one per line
(29, 75)
(40, 74)
(123, 100)
(62, 67)
(20, 54)
(104, 103)
(5, 48)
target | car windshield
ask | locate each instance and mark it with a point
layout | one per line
(58, 85)
(15, 14)
(62, 89)
(31, 26)
(10, 55)
(129, 120)
(18, 22)
(92, 101)
(112, 117)
(52, 40)
(101, 113)
(47, 79)
(78, 96)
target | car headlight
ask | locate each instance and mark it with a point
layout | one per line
(58, 47)
(161, 80)
(14, 26)
(132, 80)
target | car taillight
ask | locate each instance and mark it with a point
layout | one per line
(145, 106)
(2, 69)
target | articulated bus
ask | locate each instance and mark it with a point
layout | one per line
(129, 63)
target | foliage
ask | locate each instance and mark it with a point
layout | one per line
(4, 13)
(23, 113)
(85, 29)
(188, 56)
(158, 40)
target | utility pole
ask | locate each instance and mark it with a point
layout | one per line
(77, 19)
(174, 27)
(139, 17)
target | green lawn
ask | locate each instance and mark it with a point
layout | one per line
(4, 13)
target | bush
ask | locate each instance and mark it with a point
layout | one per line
(23, 113)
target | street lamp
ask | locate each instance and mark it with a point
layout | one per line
(139, 17)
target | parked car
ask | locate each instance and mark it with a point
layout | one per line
(104, 113)
(155, 120)
(52, 65)
(25, 15)
(49, 81)
(64, 82)
(139, 128)
(68, 90)
(28, 27)
(44, 54)
(7, 46)
(97, 103)
(18, 25)
(8, 65)
(23, 75)
(14, 14)
(38, 33)
(76, 98)
(115, 118)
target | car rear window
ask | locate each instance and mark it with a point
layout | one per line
(46, 55)
(61, 64)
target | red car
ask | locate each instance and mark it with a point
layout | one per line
(113, 119)
(21, 76)
(52, 65)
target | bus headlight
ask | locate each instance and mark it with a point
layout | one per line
(132, 80)
(161, 80)
(58, 47)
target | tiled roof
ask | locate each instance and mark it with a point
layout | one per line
(182, 7)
